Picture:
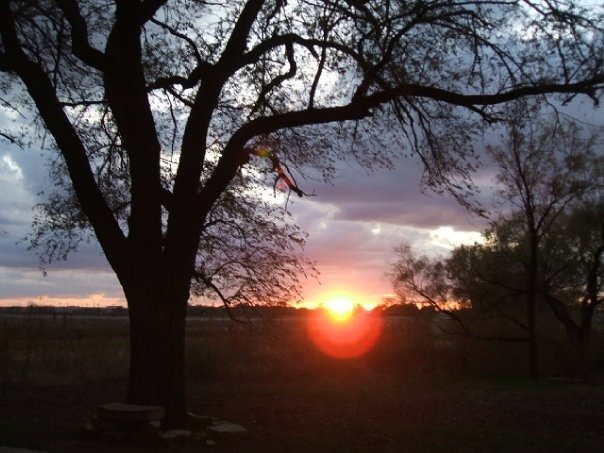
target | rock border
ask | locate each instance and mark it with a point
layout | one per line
(121, 422)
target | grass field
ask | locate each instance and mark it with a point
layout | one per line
(413, 391)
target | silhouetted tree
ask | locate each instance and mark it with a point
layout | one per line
(492, 276)
(547, 251)
(572, 274)
(459, 286)
(250, 251)
(541, 170)
(156, 106)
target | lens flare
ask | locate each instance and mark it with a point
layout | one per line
(344, 337)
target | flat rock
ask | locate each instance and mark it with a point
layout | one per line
(114, 436)
(130, 412)
(96, 425)
(18, 450)
(176, 435)
(200, 421)
(226, 429)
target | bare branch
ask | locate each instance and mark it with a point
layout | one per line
(79, 35)
(148, 8)
(225, 300)
(9, 138)
(43, 94)
(82, 103)
(237, 42)
(190, 81)
(188, 40)
(588, 87)
(289, 48)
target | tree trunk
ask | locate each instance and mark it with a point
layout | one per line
(532, 305)
(157, 350)
(532, 334)
(583, 341)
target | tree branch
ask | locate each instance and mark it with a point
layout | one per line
(9, 138)
(126, 93)
(291, 38)
(82, 103)
(182, 36)
(186, 82)
(149, 8)
(289, 48)
(588, 87)
(225, 300)
(237, 42)
(42, 92)
(79, 35)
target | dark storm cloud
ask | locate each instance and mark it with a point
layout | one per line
(386, 196)
(420, 213)
(17, 283)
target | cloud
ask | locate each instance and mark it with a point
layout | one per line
(20, 282)
(355, 223)
(386, 195)
(23, 177)
(15, 197)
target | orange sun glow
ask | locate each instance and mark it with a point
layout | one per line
(343, 329)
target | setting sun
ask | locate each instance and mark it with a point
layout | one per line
(339, 307)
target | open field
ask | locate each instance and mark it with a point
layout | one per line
(413, 392)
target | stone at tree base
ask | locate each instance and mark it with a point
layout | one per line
(18, 450)
(200, 421)
(141, 425)
(227, 429)
(141, 437)
(199, 436)
(176, 436)
(130, 412)
(120, 422)
(153, 427)
(114, 436)
(96, 425)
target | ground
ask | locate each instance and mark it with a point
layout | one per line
(271, 380)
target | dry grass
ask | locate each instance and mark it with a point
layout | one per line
(413, 392)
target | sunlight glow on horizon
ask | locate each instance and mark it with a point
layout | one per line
(85, 301)
(339, 307)
(357, 294)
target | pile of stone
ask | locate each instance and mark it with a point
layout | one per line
(142, 424)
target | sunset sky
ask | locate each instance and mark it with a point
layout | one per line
(353, 225)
